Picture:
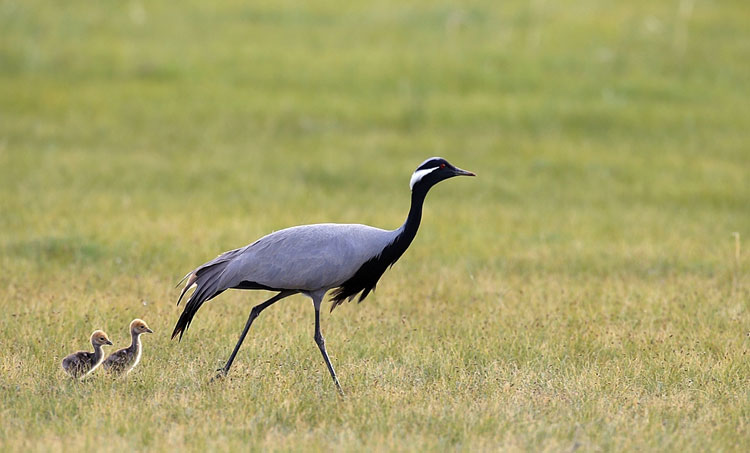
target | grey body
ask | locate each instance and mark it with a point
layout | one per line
(304, 258)
(312, 259)
(307, 259)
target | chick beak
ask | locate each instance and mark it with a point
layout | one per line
(108, 342)
(149, 330)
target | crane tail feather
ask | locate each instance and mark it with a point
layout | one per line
(206, 281)
(190, 283)
(183, 279)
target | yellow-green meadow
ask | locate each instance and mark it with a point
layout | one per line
(587, 291)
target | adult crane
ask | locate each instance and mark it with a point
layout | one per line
(313, 259)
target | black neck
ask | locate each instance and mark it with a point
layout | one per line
(369, 273)
(410, 227)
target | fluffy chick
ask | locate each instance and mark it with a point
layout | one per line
(124, 360)
(80, 364)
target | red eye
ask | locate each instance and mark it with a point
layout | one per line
(442, 165)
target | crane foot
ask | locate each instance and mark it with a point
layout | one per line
(222, 373)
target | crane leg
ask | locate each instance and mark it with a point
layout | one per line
(253, 314)
(321, 342)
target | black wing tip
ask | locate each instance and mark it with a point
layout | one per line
(175, 332)
(180, 330)
(365, 293)
(183, 323)
(337, 298)
(343, 294)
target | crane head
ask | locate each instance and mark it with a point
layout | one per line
(434, 170)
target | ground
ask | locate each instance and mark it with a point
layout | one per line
(588, 290)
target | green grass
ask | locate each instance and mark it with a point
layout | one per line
(582, 293)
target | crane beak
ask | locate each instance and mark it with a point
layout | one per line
(149, 330)
(460, 172)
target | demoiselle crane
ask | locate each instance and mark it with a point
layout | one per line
(312, 259)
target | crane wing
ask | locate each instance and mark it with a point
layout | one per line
(303, 258)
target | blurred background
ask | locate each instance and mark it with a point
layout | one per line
(611, 141)
(131, 127)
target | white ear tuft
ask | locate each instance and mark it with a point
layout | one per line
(419, 174)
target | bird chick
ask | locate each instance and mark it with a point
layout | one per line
(124, 360)
(80, 364)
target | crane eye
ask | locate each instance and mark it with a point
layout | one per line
(442, 165)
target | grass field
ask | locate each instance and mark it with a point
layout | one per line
(584, 292)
